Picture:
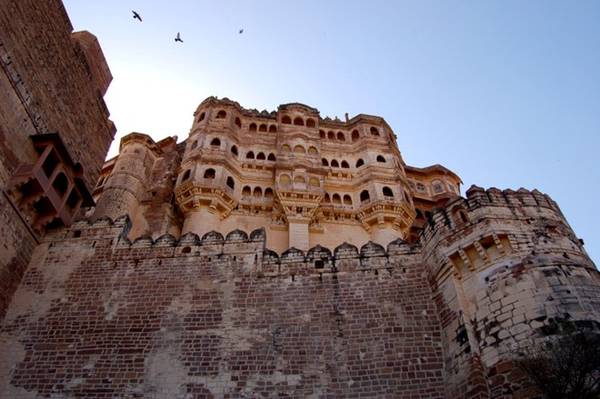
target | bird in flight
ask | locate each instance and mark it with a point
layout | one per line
(178, 38)
(136, 15)
(241, 31)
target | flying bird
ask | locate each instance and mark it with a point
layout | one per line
(241, 31)
(178, 38)
(136, 15)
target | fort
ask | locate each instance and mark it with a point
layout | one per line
(267, 254)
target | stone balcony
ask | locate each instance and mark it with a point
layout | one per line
(379, 211)
(212, 193)
(50, 190)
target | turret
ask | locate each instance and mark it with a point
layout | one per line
(125, 187)
(508, 270)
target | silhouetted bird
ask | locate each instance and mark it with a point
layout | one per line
(136, 15)
(241, 31)
(178, 38)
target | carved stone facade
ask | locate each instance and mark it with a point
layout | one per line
(307, 180)
(269, 254)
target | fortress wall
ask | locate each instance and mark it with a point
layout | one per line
(98, 316)
(48, 85)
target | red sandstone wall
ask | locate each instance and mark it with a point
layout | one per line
(46, 86)
(54, 81)
(99, 318)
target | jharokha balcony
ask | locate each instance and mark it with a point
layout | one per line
(208, 191)
(50, 191)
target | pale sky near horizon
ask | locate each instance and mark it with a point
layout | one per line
(504, 93)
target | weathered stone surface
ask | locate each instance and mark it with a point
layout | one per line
(270, 254)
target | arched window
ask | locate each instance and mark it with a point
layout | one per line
(250, 155)
(230, 182)
(73, 199)
(268, 192)
(234, 150)
(260, 156)
(246, 191)
(310, 122)
(186, 175)
(326, 199)
(331, 135)
(313, 151)
(460, 216)
(387, 192)
(437, 187)
(194, 144)
(262, 128)
(221, 114)
(345, 165)
(298, 121)
(324, 162)
(252, 127)
(360, 163)
(374, 131)
(347, 199)
(271, 157)
(238, 122)
(355, 135)
(322, 134)
(299, 180)
(209, 174)
(336, 199)
(364, 196)
(285, 180)
(273, 129)
(335, 164)
(215, 142)
(341, 137)
(201, 117)
(257, 192)
(61, 184)
(380, 158)
(285, 148)
(299, 149)
(286, 119)
(314, 182)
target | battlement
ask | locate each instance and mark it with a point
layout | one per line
(213, 101)
(492, 203)
(318, 260)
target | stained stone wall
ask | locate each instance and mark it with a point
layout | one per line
(507, 271)
(51, 82)
(97, 316)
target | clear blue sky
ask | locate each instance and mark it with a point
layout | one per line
(505, 93)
